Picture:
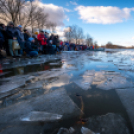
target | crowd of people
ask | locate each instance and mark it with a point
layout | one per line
(17, 43)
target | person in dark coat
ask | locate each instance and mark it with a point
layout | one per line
(20, 37)
(5, 44)
(56, 42)
(29, 48)
(26, 34)
(2, 43)
(10, 31)
(2, 40)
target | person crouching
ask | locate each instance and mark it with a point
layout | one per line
(29, 45)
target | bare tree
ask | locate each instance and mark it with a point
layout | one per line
(10, 9)
(89, 40)
(68, 33)
(96, 45)
(24, 12)
(77, 33)
(51, 26)
(74, 34)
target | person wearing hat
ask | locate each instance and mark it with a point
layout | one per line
(42, 40)
(20, 38)
(10, 31)
(29, 48)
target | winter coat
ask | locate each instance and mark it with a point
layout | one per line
(10, 32)
(19, 35)
(56, 41)
(2, 40)
(41, 38)
(29, 46)
(26, 36)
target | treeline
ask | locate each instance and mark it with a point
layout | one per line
(112, 46)
(75, 34)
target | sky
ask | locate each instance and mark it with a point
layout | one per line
(104, 20)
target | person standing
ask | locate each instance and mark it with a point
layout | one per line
(56, 42)
(42, 40)
(20, 38)
(10, 31)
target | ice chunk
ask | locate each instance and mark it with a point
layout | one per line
(84, 82)
(41, 116)
(61, 81)
(54, 102)
(31, 78)
(126, 67)
(71, 130)
(50, 74)
(9, 86)
(63, 131)
(108, 124)
(35, 85)
(115, 82)
(66, 131)
(110, 80)
(55, 64)
(127, 99)
(85, 130)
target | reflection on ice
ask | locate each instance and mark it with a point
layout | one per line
(85, 130)
(105, 80)
(41, 116)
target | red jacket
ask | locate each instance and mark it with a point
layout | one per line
(41, 38)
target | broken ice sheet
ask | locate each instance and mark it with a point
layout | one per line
(50, 74)
(36, 85)
(115, 82)
(71, 130)
(99, 77)
(55, 64)
(126, 67)
(61, 81)
(85, 130)
(41, 116)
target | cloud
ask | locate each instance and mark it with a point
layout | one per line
(67, 4)
(56, 13)
(103, 15)
(60, 31)
(66, 29)
(133, 38)
(67, 19)
(73, 3)
(67, 10)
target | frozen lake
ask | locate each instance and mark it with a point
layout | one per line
(60, 94)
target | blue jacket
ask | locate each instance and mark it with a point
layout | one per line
(29, 46)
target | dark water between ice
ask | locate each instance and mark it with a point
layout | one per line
(93, 102)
